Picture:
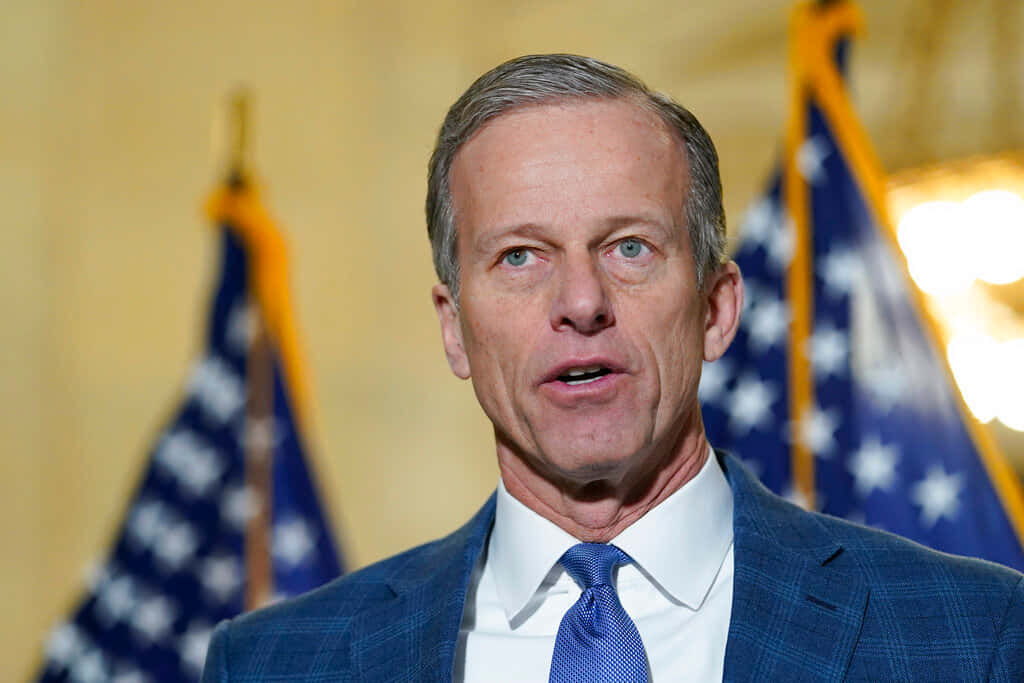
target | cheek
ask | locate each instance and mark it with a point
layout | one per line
(679, 351)
(494, 344)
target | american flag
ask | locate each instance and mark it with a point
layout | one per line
(878, 434)
(226, 516)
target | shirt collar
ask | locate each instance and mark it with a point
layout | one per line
(680, 544)
(523, 548)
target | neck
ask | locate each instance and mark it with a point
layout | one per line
(598, 511)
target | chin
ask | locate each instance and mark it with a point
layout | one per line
(586, 461)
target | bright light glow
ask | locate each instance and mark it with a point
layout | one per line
(995, 219)
(939, 259)
(974, 360)
(990, 376)
(953, 248)
(1010, 399)
(951, 244)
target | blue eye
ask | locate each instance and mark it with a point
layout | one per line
(631, 248)
(516, 257)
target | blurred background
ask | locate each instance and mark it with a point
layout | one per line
(112, 126)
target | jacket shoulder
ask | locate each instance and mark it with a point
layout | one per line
(342, 596)
(922, 611)
(315, 631)
(293, 634)
(884, 560)
(931, 611)
(890, 560)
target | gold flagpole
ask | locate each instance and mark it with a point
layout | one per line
(799, 276)
(258, 441)
(259, 454)
(238, 165)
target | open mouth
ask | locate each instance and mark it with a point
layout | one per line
(575, 376)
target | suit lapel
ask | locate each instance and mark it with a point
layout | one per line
(794, 617)
(413, 635)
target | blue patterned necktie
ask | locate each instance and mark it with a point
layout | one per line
(597, 641)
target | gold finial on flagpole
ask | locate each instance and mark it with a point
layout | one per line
(238, 168)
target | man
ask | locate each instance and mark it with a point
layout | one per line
(577, 230)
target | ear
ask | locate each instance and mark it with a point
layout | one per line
(451, 330)
(724, 301)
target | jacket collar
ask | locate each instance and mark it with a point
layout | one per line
(795, 614)
(412, 634)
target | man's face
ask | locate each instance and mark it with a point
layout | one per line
(579, 320)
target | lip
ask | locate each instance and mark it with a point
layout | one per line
(563, 367)
(574, 396)
(571, 396)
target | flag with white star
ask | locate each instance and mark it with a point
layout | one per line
(205, 537)
(878, 433)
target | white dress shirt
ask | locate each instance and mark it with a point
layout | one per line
(678, 592)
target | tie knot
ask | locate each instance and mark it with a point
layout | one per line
(591, 564)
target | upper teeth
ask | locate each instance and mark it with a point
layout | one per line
(583, 371)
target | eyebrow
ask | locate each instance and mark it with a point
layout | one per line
(527, 230)
(540, 232)
(643, 218)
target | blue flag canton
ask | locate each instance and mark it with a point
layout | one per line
(890, 444)
(304, 552)
(745, 395)
(177, 566)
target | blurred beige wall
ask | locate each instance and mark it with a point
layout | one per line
(106, 123)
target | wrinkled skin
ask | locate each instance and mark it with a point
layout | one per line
(574, 255)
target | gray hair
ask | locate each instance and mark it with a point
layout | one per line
(544, 79)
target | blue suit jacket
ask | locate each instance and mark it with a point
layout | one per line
(814, 599)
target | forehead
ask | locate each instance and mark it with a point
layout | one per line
(599, 153)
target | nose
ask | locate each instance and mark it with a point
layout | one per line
(581, 302)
